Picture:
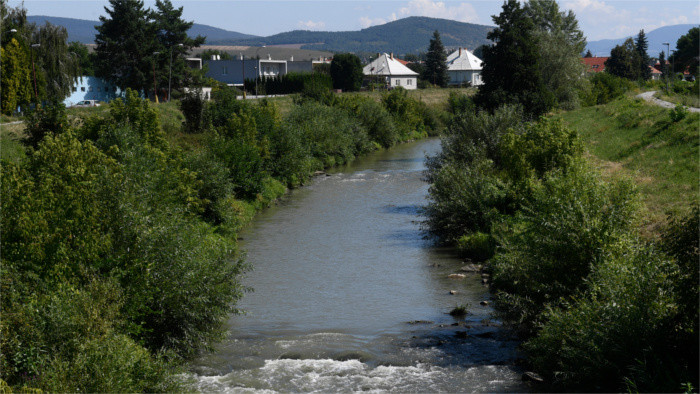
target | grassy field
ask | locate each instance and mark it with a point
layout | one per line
(629, 137)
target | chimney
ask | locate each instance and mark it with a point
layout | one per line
(392, 55)
(291, 58)
(269, 57)
(460, 51)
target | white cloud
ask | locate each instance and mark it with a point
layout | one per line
(580, 6)
(463, 12)
(311, 25)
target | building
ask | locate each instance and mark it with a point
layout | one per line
(464, 68)
(594, 64)
(390, 71)
(234, 72)
(92, 88)
(655, 74)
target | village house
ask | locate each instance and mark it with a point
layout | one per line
(464, 68)
(594, 64)
(390, 71)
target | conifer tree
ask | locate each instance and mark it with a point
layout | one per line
(588, 54)
(641, 46)
(436, 62)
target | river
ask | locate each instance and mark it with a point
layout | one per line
(349, 296)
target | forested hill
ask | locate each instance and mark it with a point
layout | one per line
(408, 35)
(82, 30)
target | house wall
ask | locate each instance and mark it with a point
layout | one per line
(463, 76)
(92, 88)
(299, 66)
(405, 82)
(232, 71)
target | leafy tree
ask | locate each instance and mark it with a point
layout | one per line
(512, 67)
(686, 56)
(641, 45)
(173, 41)
(125, 45)
(346, 71)
(560, 44)
(86, 59)
(207, 54)
(435, 62)
(59, 67)
(624, 61)
(16, 77)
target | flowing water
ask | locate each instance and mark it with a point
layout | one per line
(348, 296)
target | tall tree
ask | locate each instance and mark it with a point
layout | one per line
(436, 62)
(86, 59)
(173, 43)
(588, 54)
(560, 45)
(624, 61)
(125, 45)
(511, 70)
(16, 80)
(687, 52)
(59, 67)
(641, 45)
(346, 72)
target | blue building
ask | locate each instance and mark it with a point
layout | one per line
(92, 88)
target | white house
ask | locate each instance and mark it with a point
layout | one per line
(389, 70)
(463, 67)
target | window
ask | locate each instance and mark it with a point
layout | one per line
(224, 70)
(408, 81)
(82, 89)
(75, 89)
(398, 82)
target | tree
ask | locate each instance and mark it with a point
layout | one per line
(16, 78)
(511, 70)
(560, 45)
(686, 56)
(59, 67)
(86, 59)
(125, 45)
(588, 54)
(346, 72)
(641, 45)
(624, 61)
(173, 41)
(436, 62)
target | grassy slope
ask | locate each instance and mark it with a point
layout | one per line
(633, 138)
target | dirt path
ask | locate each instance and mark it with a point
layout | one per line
(649, 96)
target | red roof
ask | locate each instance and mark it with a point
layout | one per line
(594, 64)
(655, 71)
(401, 61)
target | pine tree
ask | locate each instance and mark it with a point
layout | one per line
(436, 62)
(346, 72)
(511, 70)
(588, 54)
(125, 45)
(641, 46)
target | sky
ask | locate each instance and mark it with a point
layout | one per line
(599, 19)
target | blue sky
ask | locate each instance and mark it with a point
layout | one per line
(598, 18)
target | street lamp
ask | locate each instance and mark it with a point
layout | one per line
(155, 91)
(667, 55)
(257, 70)
(170, 75)
(36, 94)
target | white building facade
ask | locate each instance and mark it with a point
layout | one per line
(464, 68)
(390, 71)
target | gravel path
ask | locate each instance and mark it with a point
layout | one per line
(649, 96)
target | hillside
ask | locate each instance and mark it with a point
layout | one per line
(655, 38)
(84, 30)
(408, 35)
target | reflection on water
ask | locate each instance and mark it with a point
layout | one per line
(340, 269)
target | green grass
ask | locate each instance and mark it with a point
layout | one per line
(687, 100)
(633, 138)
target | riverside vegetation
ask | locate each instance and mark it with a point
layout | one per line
(586, 266)
(119, 229)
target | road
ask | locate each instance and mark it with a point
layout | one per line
(649, 96)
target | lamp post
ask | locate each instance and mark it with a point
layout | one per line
(155, 91)
(170, 74)
(243, 72)
(36, 94)
(257, 70)
(667, 55)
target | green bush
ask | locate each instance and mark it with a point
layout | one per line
(459, 103)
(44, 120)
(678, 113)
(478, 246)
(605, 87)
(373, 117)
(562, 231)
(192, 105)
(617, 336)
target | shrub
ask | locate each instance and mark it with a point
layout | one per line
(479, 246)
(562, 231)
(678, 113)
(373, 117)
(616, 336)
(45, 120)
(604, 88)
(458, 103)
(192, 105)
(459, 310)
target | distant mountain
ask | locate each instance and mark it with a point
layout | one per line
(84, 30)
(408, 35)
(655, 38)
